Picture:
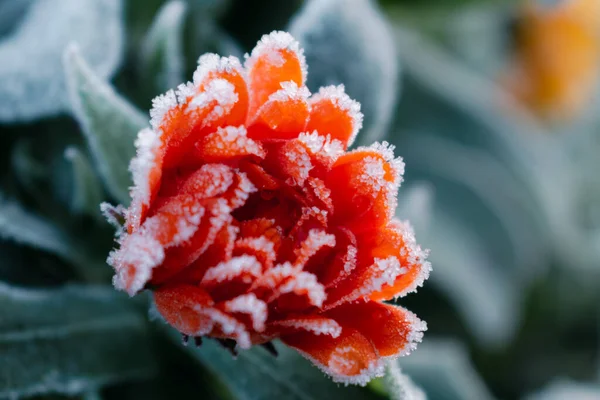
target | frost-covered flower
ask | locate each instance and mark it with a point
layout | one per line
(250, 221)
(557, 58)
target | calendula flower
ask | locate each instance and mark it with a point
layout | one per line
(250, 221)
(557, 56)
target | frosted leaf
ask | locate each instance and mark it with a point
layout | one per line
(108, 122)
(214, 64)
(219, 94)
(114, 215)
(251, 305)
(87, 192)
(29, 91)
(162, 48)
(562, 389)
(337, 95)
(399, 385)
(338, 361)
(315, 325)
(228, 270)
(349, 42)
(271, 45)
(316, 240)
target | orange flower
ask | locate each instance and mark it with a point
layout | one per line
(557, 56)
(250, 221)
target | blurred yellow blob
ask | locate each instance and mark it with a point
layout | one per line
(557, 56)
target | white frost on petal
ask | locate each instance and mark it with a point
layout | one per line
(337, 95)
(415, 336)
(414, 254)
(260, 244)
(289, 92)
(301, 283)
(114, 216)
(322, 145)
(184, 92)
(209, 181)
(228, 270)
(271, 45)
(387, 152)
(219, 94)
(236, 137)
(300, 165)
(229, 326)
(251, 305)
(318, 326)
(372, 179)
(147, 150)
(134, 262)
(161, 105)
(242, 191)
(337, 361)
(188, 215)
(213, 63)
(316, 240)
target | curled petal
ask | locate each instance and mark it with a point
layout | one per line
(393, 330)
(315, 324)
(349, 358)
(334, 113)
(276, 58)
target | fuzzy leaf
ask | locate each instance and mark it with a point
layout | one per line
(564, 389)
(400, 386)
(349, 42)
(109, 122)
(256, 374)
(31, 70)
(20, 226)
(69, 341)
(162, 50)
(443, 370)
(86, 191)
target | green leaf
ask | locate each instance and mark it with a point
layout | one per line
(22, 227)
(348, 42)
(255, 374)
(443, 370)
(162, 58)
(400, 386)
(70, 340)
(31, 70)
(86, 192)
(109, 123)
(565, 389)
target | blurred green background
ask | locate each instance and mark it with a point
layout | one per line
(492, 104)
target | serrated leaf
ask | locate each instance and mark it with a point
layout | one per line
(443, 370)
(31, 69)
(255, 374)
(348, 42)
(69, 340)
(86, 193)
(162, 58)
(109, 122)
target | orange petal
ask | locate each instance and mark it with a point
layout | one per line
(393, 330)
(333, 113)
(363, 187)
(276, 58)
(398, 239)
(315, 324)
(349, 358)
(226, 145)
(283, 116)
(177, 305)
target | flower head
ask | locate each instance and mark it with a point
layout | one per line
(557, 56)
(250, 221)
